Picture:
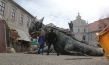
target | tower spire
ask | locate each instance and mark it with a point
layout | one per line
(78, 17)
(78, 13)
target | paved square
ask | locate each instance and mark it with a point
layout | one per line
(52, 59)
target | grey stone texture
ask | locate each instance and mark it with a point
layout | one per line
(52, 59)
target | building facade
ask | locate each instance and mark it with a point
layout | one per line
(80, 28)
(18, 18)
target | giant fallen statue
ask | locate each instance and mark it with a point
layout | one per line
(67, 44)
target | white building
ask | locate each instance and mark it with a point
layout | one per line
(80, 28)
(18, 17)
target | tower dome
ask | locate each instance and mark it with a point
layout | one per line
(78, 17)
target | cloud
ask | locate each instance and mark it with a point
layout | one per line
(60, 12)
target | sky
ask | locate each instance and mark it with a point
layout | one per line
(60, 12)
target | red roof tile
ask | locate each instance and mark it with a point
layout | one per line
(98, 25)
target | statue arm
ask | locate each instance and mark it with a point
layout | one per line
(68, 23)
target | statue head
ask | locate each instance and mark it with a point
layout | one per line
(35, 26)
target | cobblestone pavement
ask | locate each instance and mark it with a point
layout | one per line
(52, 59)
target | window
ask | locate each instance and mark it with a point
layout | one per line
(2, 8)
(91, 37)
(84, 30)
(28, 20)
(78, 30)
(21, 19)
(13, 14)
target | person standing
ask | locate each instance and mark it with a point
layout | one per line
(41, 41)
(52, 39)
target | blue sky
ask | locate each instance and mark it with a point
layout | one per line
(60, 12)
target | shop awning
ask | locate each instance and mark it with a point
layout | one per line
(23, 35)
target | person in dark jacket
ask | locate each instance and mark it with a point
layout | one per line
(52, 39)
(41, 41)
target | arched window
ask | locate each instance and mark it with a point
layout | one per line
(78, 30)
(84, 30)
(91, 37)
